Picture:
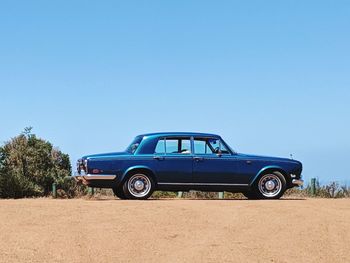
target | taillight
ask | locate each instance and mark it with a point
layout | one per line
(82, 166)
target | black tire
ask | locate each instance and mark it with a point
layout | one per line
(118, 192)
(250, 195)
(142, 181)
(277, 181)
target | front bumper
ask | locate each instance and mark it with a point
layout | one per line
(297, 182)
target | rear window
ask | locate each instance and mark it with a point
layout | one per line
(134, 144)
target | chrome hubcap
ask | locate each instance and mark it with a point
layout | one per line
(270, 185)
(139, 185)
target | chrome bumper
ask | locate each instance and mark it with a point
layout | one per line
(84, 179)
(298, 182)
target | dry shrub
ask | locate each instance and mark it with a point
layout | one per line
(196, 195)
(331, 190)
(161, 194)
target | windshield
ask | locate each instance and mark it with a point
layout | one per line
(134, 145)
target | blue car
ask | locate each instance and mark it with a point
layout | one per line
(182, 161)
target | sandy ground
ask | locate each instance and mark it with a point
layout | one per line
(47, 230)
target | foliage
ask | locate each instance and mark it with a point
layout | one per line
(211, 195)
(197, 195)
(68, 188)
(331, 190)
(160, 194)
(29, 165)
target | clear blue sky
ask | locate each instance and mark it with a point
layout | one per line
(272, 77)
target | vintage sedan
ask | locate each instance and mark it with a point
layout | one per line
(182, 161)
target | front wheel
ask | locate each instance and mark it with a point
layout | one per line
(138, 186)
(270, 185)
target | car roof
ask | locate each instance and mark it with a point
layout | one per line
(180, 134)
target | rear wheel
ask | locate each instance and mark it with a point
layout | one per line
(270, 185)
(138, 186)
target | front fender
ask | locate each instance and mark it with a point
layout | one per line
(266, 168)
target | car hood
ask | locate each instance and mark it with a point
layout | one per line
(101, 155)
(267, 158)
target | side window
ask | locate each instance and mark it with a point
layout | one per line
(173, 146)
(186, 146)
(201, 147)
(209, 146)
(218, 146)
(215, 145)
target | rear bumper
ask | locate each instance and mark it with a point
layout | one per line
(297, 182)
(92, 179)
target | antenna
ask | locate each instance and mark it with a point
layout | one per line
(291, 156)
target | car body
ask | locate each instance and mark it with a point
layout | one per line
(183, 161)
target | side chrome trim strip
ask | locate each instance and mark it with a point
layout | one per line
(203, 184)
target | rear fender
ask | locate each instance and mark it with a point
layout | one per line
(137, 168)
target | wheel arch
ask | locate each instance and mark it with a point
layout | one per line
(273, 168)
(138, 169)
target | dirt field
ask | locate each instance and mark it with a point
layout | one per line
(46, 230)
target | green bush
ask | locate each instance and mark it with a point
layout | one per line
(29, 166)
(68, 188)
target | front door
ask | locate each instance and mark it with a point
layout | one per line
(213, 163)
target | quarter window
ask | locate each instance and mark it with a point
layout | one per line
(160, 148)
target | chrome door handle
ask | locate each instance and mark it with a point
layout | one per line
(158, 158)
(197, 159)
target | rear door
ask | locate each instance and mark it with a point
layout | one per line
(173, 160)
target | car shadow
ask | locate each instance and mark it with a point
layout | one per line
(212, 199)
(192, 199)
(226, 199)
